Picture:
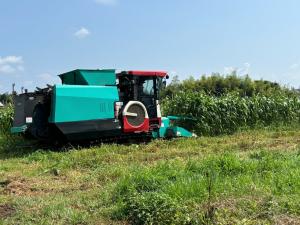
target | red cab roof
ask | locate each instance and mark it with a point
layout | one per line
(147, 73)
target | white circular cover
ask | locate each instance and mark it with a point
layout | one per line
(135, 112)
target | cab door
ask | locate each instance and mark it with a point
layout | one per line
(147, 94)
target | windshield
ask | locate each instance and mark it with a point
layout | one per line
(148, 87)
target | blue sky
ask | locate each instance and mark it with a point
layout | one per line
(40, 39)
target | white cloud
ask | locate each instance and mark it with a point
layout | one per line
(6, 69)
(244, 70)
(11, 59)
(294, 66)
(11, 64)
(82, 33)
(229, 70)
(107, 2)
(48, 78)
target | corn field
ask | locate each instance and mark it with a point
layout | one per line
(6, 115)
(213, 115)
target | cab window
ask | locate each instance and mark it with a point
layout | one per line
(148, 87)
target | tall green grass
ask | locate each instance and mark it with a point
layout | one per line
(226, 114)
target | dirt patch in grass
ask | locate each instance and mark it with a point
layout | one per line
(235, 207)
(282, 144)
(6, 211)
(20, 186)
(287, 220)
(15, 186)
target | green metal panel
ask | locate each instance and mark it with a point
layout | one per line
(72, 103)
(99, 77)
(73, 77)
(89, 77)
(166, 125)
(181, 132)
(15, 130)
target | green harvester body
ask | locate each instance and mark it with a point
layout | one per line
(96, 104)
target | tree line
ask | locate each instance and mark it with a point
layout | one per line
(219, 85)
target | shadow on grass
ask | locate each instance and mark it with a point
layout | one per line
(18, 146)
(15, 147)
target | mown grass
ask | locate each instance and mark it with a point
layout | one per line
(246, 178)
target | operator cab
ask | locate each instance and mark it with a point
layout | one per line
(144, 87)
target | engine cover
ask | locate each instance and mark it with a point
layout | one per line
(135, 117)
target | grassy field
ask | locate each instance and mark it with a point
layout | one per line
(246, 178)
